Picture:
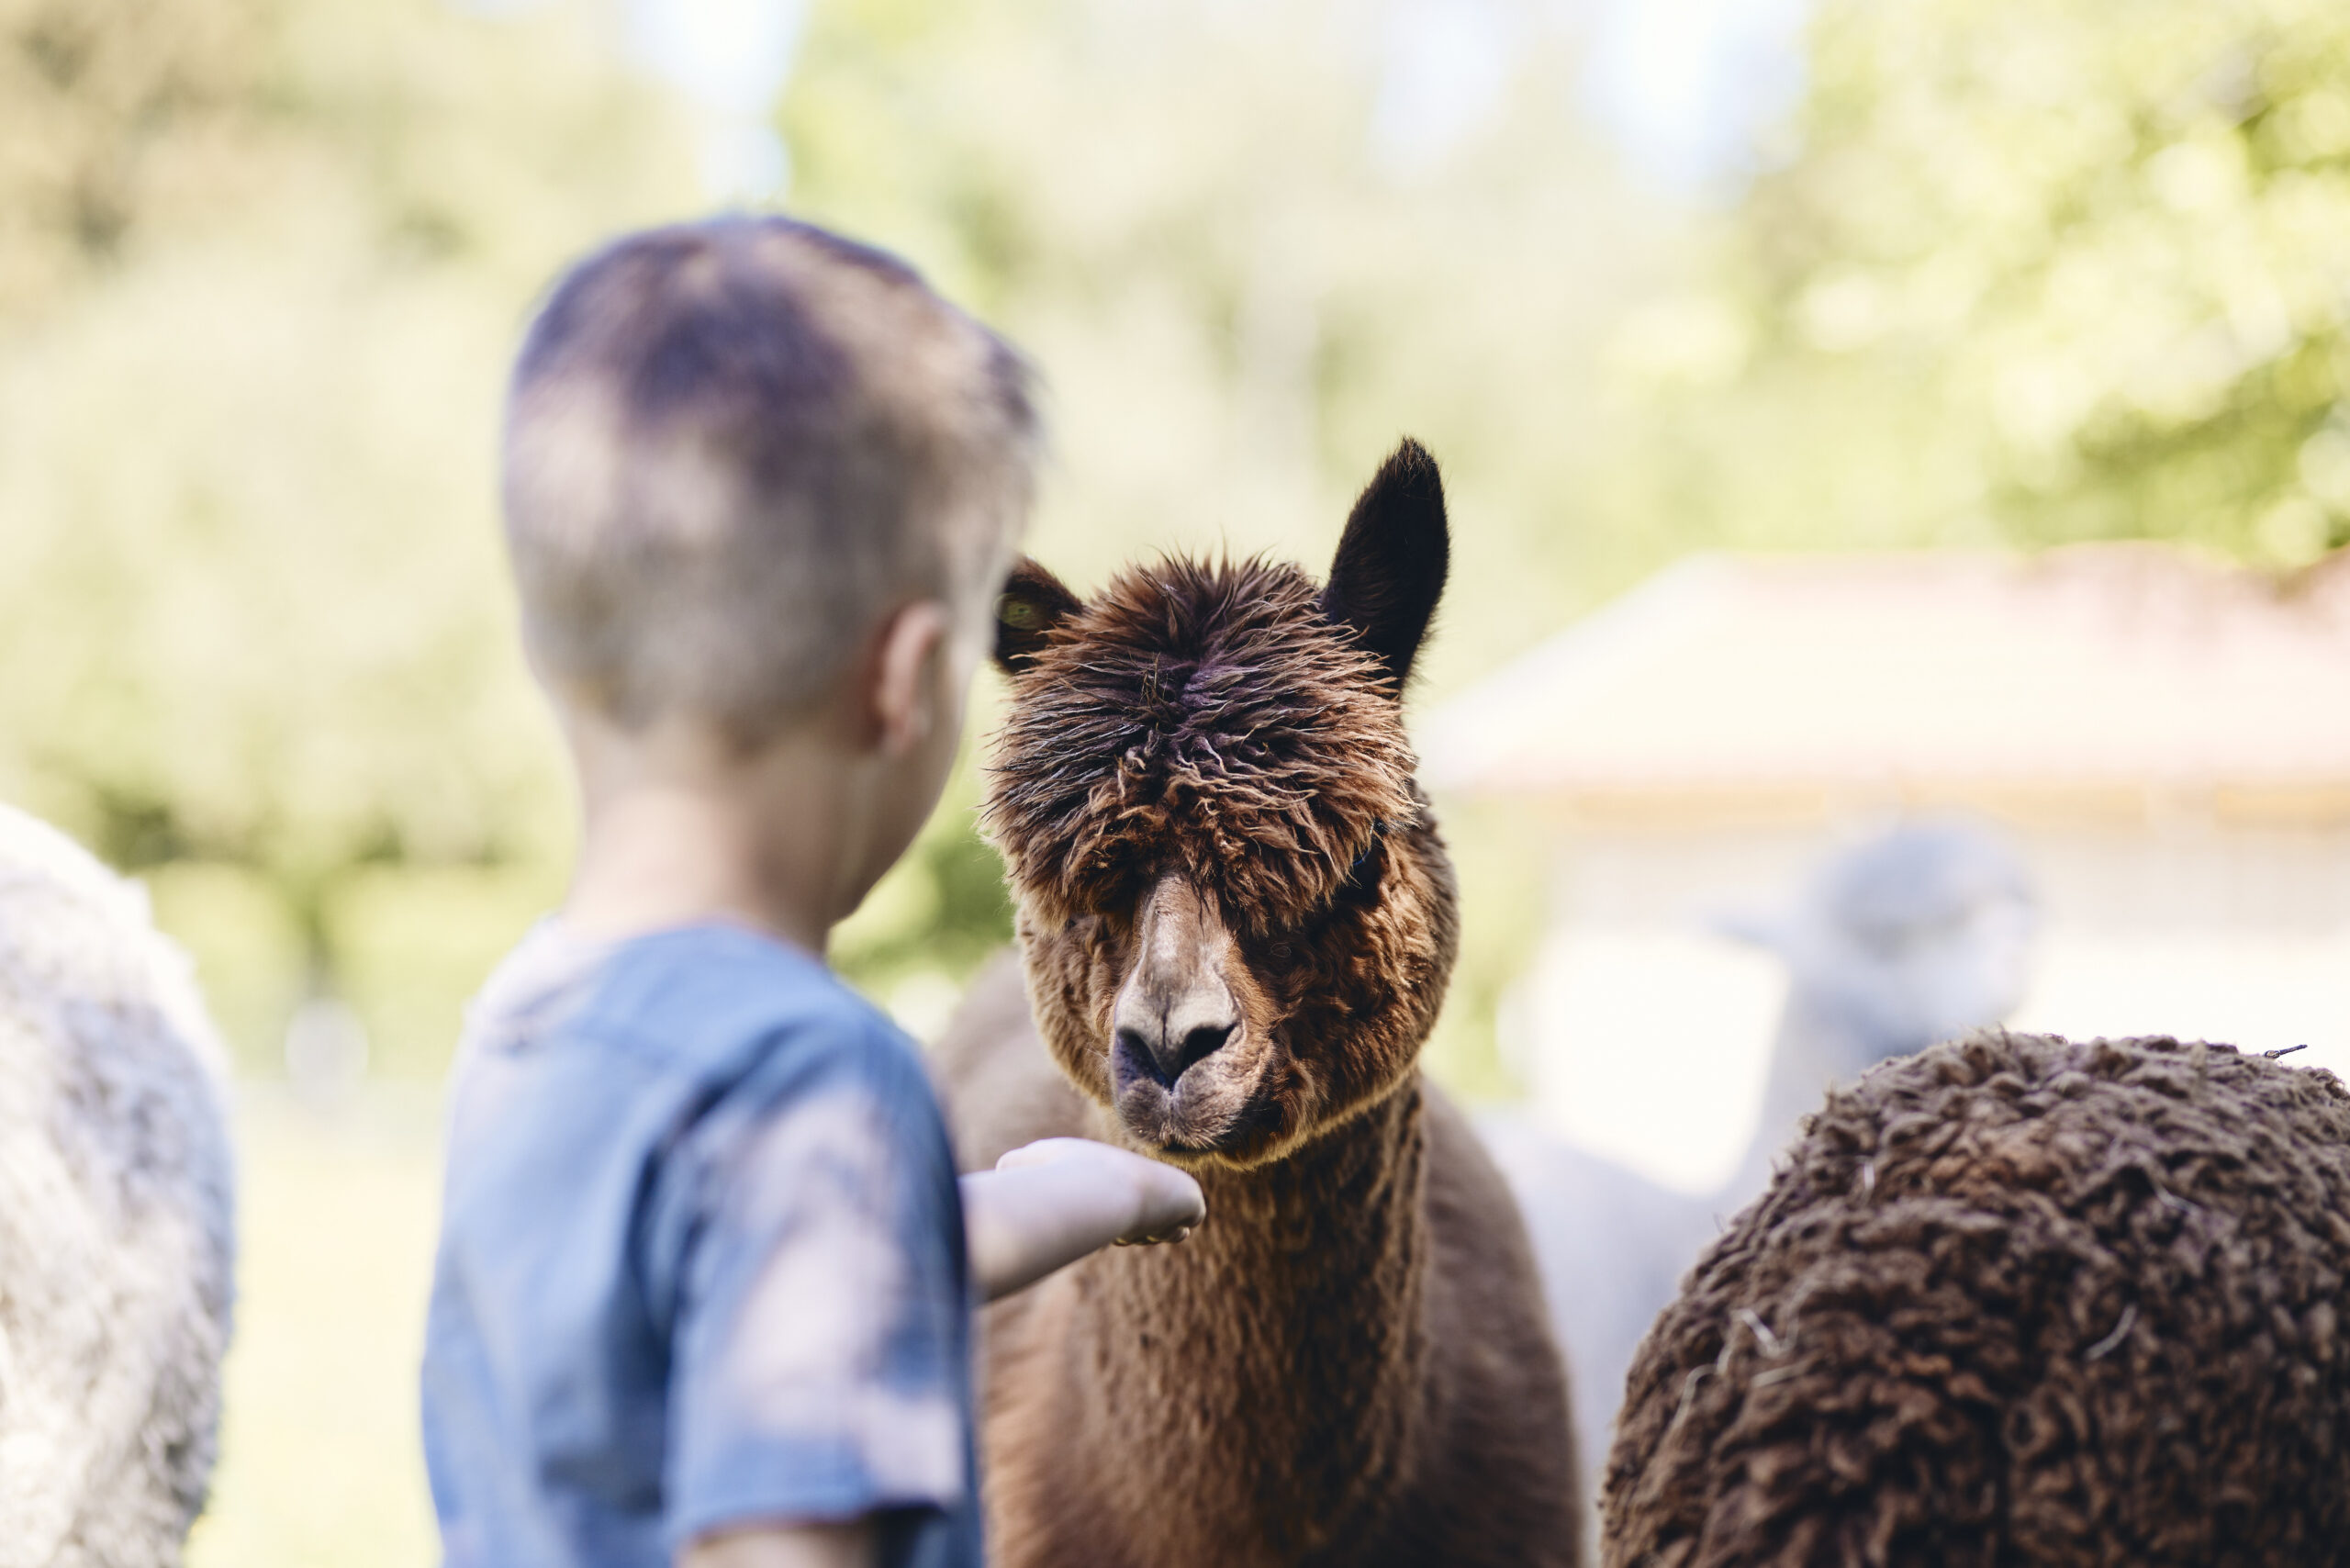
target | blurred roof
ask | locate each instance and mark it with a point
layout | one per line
(2115, 679)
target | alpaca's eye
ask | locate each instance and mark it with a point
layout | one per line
(1362, 877)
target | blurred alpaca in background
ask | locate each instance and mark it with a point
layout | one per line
(1915, 936)
(116, 1222)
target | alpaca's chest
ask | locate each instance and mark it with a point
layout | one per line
(1226, 1421)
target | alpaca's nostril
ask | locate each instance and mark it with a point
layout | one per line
(1163, 1055)
(1205, 1040)
(1133, 1053)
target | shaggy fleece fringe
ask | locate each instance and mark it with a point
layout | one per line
(115, 1215)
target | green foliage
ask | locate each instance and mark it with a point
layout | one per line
(249, 952)
(111, 114)
(2046, 272)
(414, 941)
(936, 914)
(1242, 288)
(252, 604)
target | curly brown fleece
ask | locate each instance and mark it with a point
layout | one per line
(2015, 1300)
(1201, 718)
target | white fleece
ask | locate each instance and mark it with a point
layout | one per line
(116, 1240)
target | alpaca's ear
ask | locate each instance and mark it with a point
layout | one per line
(1390, 568)
(1033, 603)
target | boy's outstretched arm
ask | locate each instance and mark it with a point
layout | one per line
(783, 1546)
(1052, 1201)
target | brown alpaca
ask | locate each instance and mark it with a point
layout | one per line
(1237, 920)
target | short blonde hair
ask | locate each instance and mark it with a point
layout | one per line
(730, 446)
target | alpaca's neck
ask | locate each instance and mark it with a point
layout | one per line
(1817, 1045)
(1281, 1346)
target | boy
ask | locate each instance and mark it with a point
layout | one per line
(703, 1286)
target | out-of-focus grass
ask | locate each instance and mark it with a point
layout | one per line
(320, 1465)
(413, 942)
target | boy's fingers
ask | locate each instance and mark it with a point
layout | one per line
(1178, 1234)
(1181, 1199)
(1044, 1152)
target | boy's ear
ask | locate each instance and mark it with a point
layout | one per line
(1034, 602)
(1390, 568)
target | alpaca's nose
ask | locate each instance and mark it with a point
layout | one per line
(1192, 1026)
(1174, 1008)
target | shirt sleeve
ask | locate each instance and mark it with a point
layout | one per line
(819, 1345)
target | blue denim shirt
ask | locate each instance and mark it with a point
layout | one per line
(701, 1264)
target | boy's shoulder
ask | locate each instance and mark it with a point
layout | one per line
(718, 998)
(710, 1002)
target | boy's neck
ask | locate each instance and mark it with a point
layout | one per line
(670, 840)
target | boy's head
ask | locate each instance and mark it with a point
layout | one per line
(732, 448)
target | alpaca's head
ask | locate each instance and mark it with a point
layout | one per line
(1917, 935)
(1236, 914)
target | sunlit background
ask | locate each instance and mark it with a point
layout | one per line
(1931, 280)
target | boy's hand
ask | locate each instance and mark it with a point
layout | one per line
(1167, 1201)
(783, 1546)
(1052, 1201)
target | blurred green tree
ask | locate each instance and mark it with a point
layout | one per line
(1246, 265)
(2036, 272)
(106, 108)
(262, 266)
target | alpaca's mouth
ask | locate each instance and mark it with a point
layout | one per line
(1169, 1119)
(1212, 1108)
